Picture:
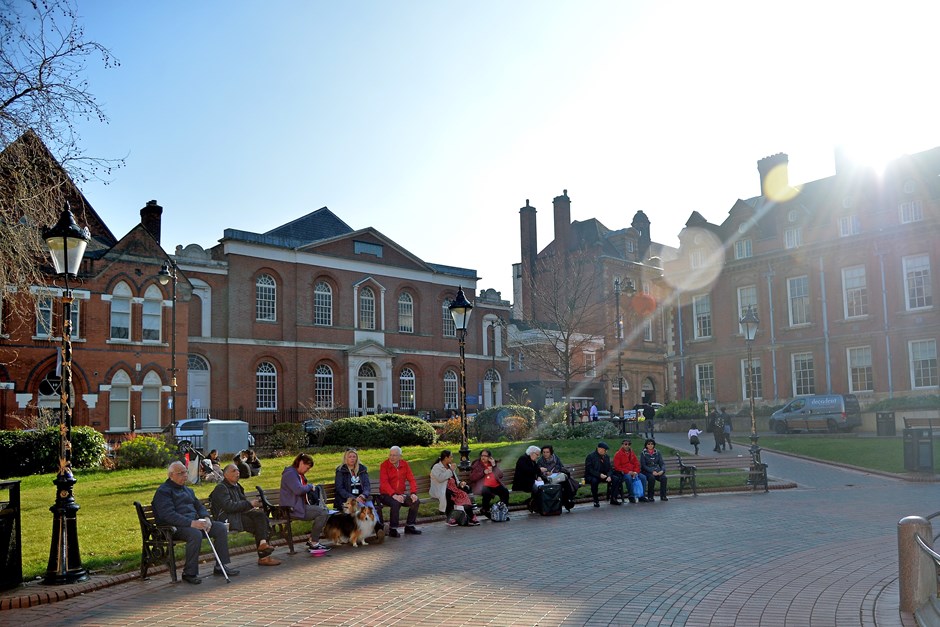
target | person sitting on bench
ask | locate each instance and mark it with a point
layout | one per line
(598, 470)
(229, 504)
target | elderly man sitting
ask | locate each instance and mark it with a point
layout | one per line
(229, 504)
(175, 504)
(394, 473)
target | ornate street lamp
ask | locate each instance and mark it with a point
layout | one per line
(750, 321)
(460, 310)
(168, 273)
(66, 242)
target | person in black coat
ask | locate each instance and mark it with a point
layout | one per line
(527, 471)
(598, 470)
(229, 504)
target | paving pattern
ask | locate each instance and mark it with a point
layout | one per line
(823, 554)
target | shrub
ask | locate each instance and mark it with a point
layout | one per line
(515, 428)
(315, 430)
(287, 436)
(594, 430)
(488, 425)
(906, 402)
(143, 451)
(380, 431)
(681, 410)
(34, 452)
(556, 413)
(552, 431)
(450, 431)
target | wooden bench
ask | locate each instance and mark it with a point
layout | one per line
(922, 423)
(690, 470)
(158, 543)
(279, 518)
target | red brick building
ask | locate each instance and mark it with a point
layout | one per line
(840, 272)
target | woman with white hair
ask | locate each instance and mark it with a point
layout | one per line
(527, 471)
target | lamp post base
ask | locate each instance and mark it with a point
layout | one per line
(464, 458)
(65, 562)
(755, 458)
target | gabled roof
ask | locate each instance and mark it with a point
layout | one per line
(318, 225)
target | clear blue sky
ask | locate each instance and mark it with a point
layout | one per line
(434, 121)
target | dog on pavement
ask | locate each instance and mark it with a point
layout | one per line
(353, 525)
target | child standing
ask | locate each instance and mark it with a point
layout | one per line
(694, 432)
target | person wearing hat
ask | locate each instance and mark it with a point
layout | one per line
(598, 470)
(627, 466)
(652, 465)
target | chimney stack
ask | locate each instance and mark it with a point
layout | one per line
(642, 224)
(562, 205)
(150, 218)
(529, 253)
(774, 176)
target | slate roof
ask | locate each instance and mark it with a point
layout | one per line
(315, 226)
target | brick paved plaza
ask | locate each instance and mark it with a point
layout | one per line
(821, 554)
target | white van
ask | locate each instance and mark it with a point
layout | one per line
(821, 412)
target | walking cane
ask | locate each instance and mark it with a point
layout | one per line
(217, 558)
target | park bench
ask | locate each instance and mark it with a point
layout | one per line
(922, 423)
(158, 543)
(689, 472)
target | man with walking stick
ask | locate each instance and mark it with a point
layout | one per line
(175, 504)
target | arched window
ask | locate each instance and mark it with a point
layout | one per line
(119, 405)
(265, 298)
(324, 387)
(197, 362)
(121, 312)
(406, 313)
(450, 390)
(367, 308)
(367, 371)
(406, 389)
(266, 387)
(448, 320)
(150, 402)
(152, 319)
(323, 304)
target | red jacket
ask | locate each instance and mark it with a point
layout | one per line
(392, 480)
(626, 461)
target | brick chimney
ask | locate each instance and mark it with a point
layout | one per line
(774, 175)
(529, 253)
(562, 205)
(642, 224)
(150, 218)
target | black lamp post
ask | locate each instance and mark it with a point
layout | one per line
(750, 321)
(168, 273)
(66, 242)
(617, 292)
(460, 310)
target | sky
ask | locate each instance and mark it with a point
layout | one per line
(434, 122)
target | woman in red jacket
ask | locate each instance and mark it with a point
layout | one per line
(486, 477)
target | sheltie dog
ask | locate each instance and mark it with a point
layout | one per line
(353, 525)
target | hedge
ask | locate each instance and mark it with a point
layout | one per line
(36, 451)
(380, 431)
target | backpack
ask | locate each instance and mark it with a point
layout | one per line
(460, 517)
(499, 512)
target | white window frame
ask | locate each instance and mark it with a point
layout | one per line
(119, 402)
(860, 370)
(798, 301)
(918, 291)
(407, 389)
(150, 394)
(367, 309)
(266, 387)
(265, 298)
(447, 320)
(743, 249)
(854, 292)
(322, 304)
(705, 381)
(590, 363)
(44, 315)
(151, 319)
(323, 387)
(922, 360)
(702, 316)
(804, 379)
(121, 313)
(849, 225)
(406, 313)
(747, 299)
(911, 211)
(756, 375)
(793, 238)
(451, 389)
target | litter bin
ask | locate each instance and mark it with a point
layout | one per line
(11, 552)
(918, 450)
(884, 423)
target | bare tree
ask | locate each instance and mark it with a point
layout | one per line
(43, 95)
(567, 320)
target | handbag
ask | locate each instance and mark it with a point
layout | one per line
(317, 496)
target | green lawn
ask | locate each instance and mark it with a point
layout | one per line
(885, 454)
(109, 534)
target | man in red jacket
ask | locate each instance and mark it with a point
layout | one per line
(393, 473)
(627, 464)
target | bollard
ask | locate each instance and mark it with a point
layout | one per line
(917, 572)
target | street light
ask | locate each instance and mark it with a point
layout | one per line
(750, 321)
(460, 310)
(66, 242)
(168, 273)
(496, 325)
(618, 290)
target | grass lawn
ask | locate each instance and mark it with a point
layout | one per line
(885, 454)
(109, 534)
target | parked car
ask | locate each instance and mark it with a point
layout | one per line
(190, 434)
(314, 428)
(831, 412)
